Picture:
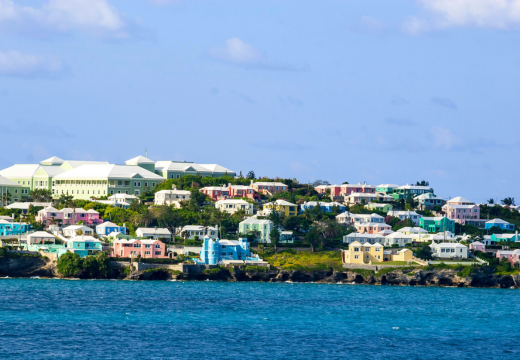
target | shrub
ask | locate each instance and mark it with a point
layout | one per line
(93, 266)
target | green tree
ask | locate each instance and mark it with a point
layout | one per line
(274, 235)
(312, 238)
(217, 216)
(70, 264)
(424, 252)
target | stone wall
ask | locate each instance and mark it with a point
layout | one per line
(374, 267)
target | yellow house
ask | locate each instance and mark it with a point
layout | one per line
(283, 207)
(403, 255)
(370, 254)
(363, 254)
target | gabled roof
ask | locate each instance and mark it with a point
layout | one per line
(159, 231)
(476, 243)
(256, 221)
(216, 168)
(388, 185)
(232, 201)
(20, 171)
(180, 166)
(281, 202)
(53, 161)
(41, 234)
(139, 160)
(459, 199)
(6, 182)
(77, 227)
(108, 224)
(496, 221)
(267, 183)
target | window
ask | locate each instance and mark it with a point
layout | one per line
(111, 192)
(146, 184)
(157, 246)
(178, 176)
(157, 253)
(153, 184)
(356, 256)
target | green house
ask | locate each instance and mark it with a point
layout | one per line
(437, 224)
(261, 227)
(386, 188)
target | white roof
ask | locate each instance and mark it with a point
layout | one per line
(92, 211)
(374, 224)
(388, 185)
(266, 183)
(77, 227)
(367, 216)
(229, 242)
(139, 160)
(122, 196)
(376, 205)
(256, 221)
(386, 232)
(363, 236)
(83, 238)
(75, 163)
(41, 234)
(356, 194)
(415, 230)
(461, 206)
(25, 205)
(53, 160)
(414, 187)
(77, 210)
(344, 215)
(196, 228)
(20, 171)
(174, 192)
(451, 245)
(160, 231)
(216, 168)
(404, 212)
(108, 171)
(108, 224)
(476, 243)
(6, 182)
(436, 218)
(314, 203)
(459, 199)
(426, 196)
(281, 202)
(398, 235)
(232, 201)
(497, 221)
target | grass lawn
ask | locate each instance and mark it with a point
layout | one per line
(304, 260)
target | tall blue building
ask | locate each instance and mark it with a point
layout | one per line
(215, 250)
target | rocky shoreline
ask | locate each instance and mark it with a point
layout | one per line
(45, 268)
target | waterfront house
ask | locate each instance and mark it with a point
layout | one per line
(154, 233)
(231, 206)
(379, 207)
(403, 215)
(366, 253)
(513, 256)
(449, 250)
(326, 207)
(199, 231)
(260, 228)
(109, 227)
(146, 248)
(215, 251)
(283, 207)
(73, 230)
(82, 245)
(410, 191)
(477, 246)
(504, 225)
(437, 224)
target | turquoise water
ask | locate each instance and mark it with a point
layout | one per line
(67, 319)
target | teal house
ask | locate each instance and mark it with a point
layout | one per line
(82, 245)
(410, 191)
(8, 228)
(437, 224)
(505, 237)
(386, 188)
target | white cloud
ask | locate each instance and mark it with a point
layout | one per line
(61, 16)
(16, 64)
(498, 14)
(241, 53)
(445, 138)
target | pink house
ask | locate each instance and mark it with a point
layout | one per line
(322, 189)
(347, 189)
(371, 227)
(68, 216)
(460, 210)
(477, 246)
(513, 256)
(231, 191)
(133, 247)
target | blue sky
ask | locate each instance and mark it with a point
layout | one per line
(360, 90)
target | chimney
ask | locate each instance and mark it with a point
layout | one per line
(251, 182)
(12, 216)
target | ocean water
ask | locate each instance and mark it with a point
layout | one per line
(76, 319)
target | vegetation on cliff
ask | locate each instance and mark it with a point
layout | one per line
(92, 266)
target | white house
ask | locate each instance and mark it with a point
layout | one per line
(123, 198)
(449, 250)
(169, 197)
(40, 237)
(72, 230)
(397, 238)
(344, 218)
(233, 205)
(366, 218)
(200, 231)
(154, 233)
(357, 198)
(403, 215)
(412, 230)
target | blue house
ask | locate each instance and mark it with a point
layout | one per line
(12, 228)
(109, 227)
(215, 250)
(82, 245)
(504, 225)
(324, 206)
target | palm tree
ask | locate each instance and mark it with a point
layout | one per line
(331, 231)
(491, 201)
(508, 201)
(217, 216)
(6, 198)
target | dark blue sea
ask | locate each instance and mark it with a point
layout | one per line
(76, 319)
